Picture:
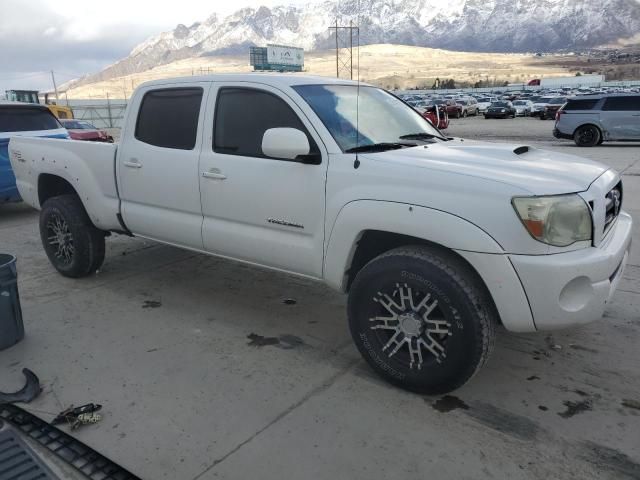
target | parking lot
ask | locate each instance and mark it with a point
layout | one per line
(160, 338)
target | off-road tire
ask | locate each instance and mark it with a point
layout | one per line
(587, 136)
(462, 302)
(87, 241)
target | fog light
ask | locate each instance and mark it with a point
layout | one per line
(576, 294)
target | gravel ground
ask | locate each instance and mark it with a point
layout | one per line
(159, 337)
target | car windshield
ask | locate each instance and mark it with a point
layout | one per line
(499, 104)
(557, 101)
(520, 102)
(484, 100)
(544, 100)
(371, 117)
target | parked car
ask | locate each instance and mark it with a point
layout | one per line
(539, 105)
(83, 130)
(523, 107)
(435, 246)
(453, 109)
(484, 102)
(469, 106)
(592, 119)
(500, 109)
(18, 118)
(549, 112)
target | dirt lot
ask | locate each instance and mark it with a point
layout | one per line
(159, 337)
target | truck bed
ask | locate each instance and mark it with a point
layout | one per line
(87, 166)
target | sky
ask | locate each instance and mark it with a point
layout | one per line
(76, 37)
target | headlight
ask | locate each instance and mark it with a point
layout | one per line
(502, 110)
(559, 220)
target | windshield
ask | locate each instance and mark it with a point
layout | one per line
(557, 101)
(499, 104)
(382, 117)
(519, 102)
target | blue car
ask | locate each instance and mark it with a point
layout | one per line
(26, 119)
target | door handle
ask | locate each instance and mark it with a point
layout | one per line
(215, 174)
(132, 163)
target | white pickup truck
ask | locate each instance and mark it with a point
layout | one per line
(436, 240)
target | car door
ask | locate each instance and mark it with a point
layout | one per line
(620, 117)
(258, 209)
(157, 165)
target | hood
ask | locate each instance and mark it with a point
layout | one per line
(540, 172)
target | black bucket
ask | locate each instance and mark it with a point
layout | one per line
(11, 326)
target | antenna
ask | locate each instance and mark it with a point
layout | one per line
(356, 163)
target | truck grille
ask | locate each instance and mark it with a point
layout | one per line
(613, 205)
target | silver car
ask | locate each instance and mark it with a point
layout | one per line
(592, 119)
(523, 107)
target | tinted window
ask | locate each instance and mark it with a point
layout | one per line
(626, 104)
(169, 118)
(25, 119)
(581, 104)
(242, 117)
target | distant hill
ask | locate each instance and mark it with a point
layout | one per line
(463, 25)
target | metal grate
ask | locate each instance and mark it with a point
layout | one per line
(72, 451)
(18, 462)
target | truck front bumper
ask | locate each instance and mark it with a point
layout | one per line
(569, 289)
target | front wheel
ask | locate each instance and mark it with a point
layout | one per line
(421, 319)
(75, 247)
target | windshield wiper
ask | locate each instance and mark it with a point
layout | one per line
(380, 147)
(419, 136)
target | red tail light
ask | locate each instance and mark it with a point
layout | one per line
(558, 113)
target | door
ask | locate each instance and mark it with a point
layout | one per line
(158, 175)
(620, 117)
(258, 209)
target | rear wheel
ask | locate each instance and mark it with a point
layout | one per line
(421, 319)
(587, 136)
(464, 114)
(75, 247)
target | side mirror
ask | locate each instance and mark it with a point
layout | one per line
(287, 143)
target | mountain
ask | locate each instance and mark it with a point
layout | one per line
(464, 25)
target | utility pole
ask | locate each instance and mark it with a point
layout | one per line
(55, 87)
(344, 48)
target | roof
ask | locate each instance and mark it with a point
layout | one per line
(8, 103)
(594, 96)
(274, 79)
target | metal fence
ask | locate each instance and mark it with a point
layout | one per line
(107, 113)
